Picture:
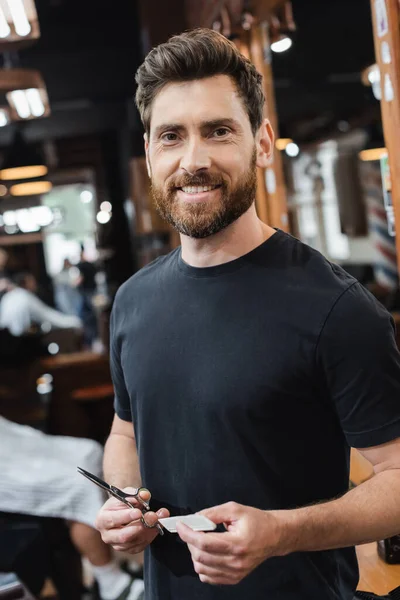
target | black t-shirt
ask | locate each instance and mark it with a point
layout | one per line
(249, 381)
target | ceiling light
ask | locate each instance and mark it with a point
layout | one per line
(26, 222)
(5, 29)
(292, 150)
(18, 20)
(28, 104)
(282, 44)
(31, 188)
(4, 117)
(373, 154)
(10, 218)
(106, 206)
(3, 190)
(53, 348)
(103, 217)
(282, 143)
(86, 196)
(19, 16)
(43, 215)
(22, 161)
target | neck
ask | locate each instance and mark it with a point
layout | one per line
(240, 238)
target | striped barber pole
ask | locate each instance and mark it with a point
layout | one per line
(385, 266)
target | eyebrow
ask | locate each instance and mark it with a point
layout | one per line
(204, 125)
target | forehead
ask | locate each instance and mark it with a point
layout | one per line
(198, 101)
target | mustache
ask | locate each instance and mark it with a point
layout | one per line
(202, 179)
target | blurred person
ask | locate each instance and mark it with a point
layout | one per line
(4, 275)
(39, 478)
(87, 288)
(245, 364)
(66, 296)
(21, 309)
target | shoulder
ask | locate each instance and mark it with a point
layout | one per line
(144, 282)
(18, 296)
(307, 271)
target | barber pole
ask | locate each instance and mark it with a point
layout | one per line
(385, 266)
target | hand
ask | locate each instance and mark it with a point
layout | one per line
(252, 536)
(121, 526)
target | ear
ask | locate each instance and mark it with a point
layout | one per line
(265, 140)
(146, 149)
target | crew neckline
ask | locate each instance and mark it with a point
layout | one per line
(232, 265)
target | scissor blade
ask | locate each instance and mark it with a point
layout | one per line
(94, 479)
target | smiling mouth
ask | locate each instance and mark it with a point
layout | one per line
(198, 189)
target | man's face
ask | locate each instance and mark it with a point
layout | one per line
(202, 155)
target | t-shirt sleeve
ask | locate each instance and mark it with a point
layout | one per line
(122, 405)
(360, 365)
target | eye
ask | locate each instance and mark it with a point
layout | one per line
(169, 137)
(221, 132)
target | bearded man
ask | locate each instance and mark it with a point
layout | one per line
(245, 364)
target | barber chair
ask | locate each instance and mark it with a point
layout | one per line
(11, 588)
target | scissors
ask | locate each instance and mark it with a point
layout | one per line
(123, 496)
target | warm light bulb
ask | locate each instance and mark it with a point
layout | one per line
(30, 188)
(23, 172)
(282, 143)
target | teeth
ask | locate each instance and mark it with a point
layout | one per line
(198, 189)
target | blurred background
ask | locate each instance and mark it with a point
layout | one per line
(76, 217)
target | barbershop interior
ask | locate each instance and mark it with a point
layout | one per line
(77, 220)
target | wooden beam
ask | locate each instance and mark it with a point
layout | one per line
(271, 185)
(20, 79)
(386, 24)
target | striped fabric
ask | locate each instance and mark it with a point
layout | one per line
(38, 474)
(385, 267)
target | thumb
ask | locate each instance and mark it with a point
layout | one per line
(223, 513)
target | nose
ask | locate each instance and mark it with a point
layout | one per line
(195, 158)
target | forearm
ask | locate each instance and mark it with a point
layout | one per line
(121, 462)
(369, 512)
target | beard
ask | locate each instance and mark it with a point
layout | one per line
(202, 219)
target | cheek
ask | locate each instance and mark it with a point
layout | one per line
(162, 167)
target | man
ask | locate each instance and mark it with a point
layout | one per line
(245, 364)
(20, 309)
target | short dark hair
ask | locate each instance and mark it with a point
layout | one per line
(198, 54)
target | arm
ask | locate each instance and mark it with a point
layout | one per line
(120, 526)
(40, 313)
(121, 463)
(367, 513)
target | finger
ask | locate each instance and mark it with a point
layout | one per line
(128, 536)
(145, 495)
(223, 562)
(217, 580)
(111, 519)
(223, 513)
(151, 518)
(212, 573)
(214, 543)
